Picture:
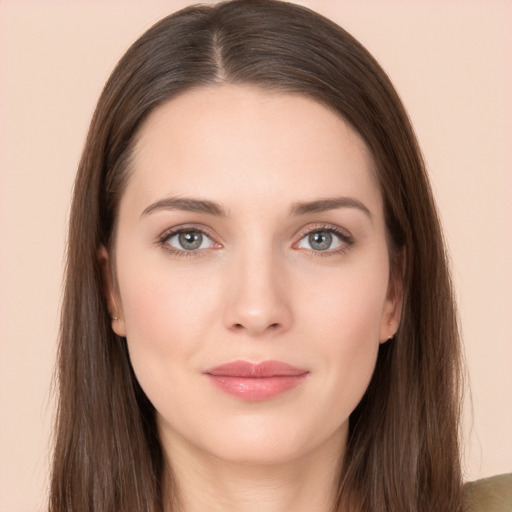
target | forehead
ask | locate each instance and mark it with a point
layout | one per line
(238, 144)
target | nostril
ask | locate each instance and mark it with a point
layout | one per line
(270, 327)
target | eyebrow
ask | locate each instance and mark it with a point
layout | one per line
(323, 205)
(213, 208)
(186, 204)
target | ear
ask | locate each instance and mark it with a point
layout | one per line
(392, 311)
(111, 292)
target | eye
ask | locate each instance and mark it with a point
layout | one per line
(188, 240)
(320, 241)
(325, 240)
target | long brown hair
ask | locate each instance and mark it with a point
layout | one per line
(402, 452)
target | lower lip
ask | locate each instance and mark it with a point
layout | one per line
(257, 388)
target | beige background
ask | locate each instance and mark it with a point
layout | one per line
(449, 60)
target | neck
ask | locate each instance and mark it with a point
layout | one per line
(205, 482)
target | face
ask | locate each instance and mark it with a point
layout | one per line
(252, 273)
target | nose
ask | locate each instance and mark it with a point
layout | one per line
(259, 301)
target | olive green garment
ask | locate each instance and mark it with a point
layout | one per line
(492, 494)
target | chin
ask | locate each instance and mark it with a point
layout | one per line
(264, 451)
(264, 441)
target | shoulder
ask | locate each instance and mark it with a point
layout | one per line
(492, 494)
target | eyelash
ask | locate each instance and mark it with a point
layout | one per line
(346, 240)
(166, 235)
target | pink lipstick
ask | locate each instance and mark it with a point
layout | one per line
(260, 381)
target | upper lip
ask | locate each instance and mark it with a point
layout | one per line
(256, 370)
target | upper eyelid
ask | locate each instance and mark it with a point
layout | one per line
(312, 228)
(188, 227)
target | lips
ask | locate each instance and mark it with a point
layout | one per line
(256, 382)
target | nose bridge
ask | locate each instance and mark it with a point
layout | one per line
(259, 300)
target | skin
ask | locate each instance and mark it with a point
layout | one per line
(255, 290)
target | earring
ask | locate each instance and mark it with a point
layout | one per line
(115, 318)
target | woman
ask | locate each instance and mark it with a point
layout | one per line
(258, 311)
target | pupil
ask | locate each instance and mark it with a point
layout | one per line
(321, 240)
(190, 240)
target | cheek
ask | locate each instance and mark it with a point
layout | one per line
(349, 305)
(346, 319)
(166, 316)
